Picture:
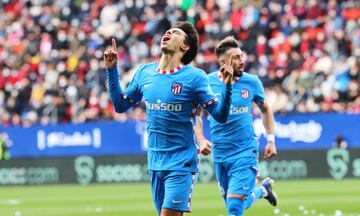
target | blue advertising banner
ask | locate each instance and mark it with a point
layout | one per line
(292, 132)
(101, 138)
(312, 131)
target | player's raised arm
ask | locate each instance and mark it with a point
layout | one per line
(120, 101)
(217, 107)
(220, 109)
(110, 55)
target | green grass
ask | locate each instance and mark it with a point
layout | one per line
(323, 196)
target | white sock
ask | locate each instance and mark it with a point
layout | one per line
(265, 193)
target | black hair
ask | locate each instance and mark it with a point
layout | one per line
(191, 39)
(226, 44)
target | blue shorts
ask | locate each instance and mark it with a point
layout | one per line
(237, 177)
(172, 189)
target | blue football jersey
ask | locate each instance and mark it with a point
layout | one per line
(171, 101)
(236, 138)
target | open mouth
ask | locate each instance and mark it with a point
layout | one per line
(166, 38)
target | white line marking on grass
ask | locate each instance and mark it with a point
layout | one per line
(98, 210)
(10, 202)
(338, 213)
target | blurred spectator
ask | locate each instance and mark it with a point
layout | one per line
(306, 52)
(5, 144)
(340, 142)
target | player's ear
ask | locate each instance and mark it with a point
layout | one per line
(184, 47)
(222, 61)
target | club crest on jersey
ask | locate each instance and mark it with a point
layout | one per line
(176, 88)
(244, 93)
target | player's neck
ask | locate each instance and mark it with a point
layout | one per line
(169, 61)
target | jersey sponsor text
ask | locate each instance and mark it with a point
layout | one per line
(238, 110)
(163, 106)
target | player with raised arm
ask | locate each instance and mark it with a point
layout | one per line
(235, 146)
(171, 90)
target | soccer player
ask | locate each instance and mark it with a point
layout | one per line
(171, 90)
(235, 147)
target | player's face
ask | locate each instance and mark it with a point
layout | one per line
(238, 61)
(173, 40)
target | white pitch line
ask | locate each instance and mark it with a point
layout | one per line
(10, 202)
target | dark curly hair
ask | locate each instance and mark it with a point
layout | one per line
(226, 44)
(191, 39)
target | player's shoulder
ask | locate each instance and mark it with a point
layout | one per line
(214, 76)
(146, 69)
(251, 77)
(195, 72)
(148, 66)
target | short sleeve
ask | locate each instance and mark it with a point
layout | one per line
(259, 96)
(133, 91)
(204, 94)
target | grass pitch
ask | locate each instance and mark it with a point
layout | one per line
(305, 197)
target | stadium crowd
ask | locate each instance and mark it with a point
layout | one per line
(306, 52)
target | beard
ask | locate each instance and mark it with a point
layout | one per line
(239, 72)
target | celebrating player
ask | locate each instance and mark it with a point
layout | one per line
(235, 147)
(172, 90)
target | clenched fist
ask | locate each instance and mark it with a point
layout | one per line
(110, 55)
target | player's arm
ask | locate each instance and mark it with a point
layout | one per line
(220, 110)
(205, 145)
(267, 117)
(120, 101)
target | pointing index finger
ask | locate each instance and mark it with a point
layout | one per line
(231, 60)
(113, 44)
